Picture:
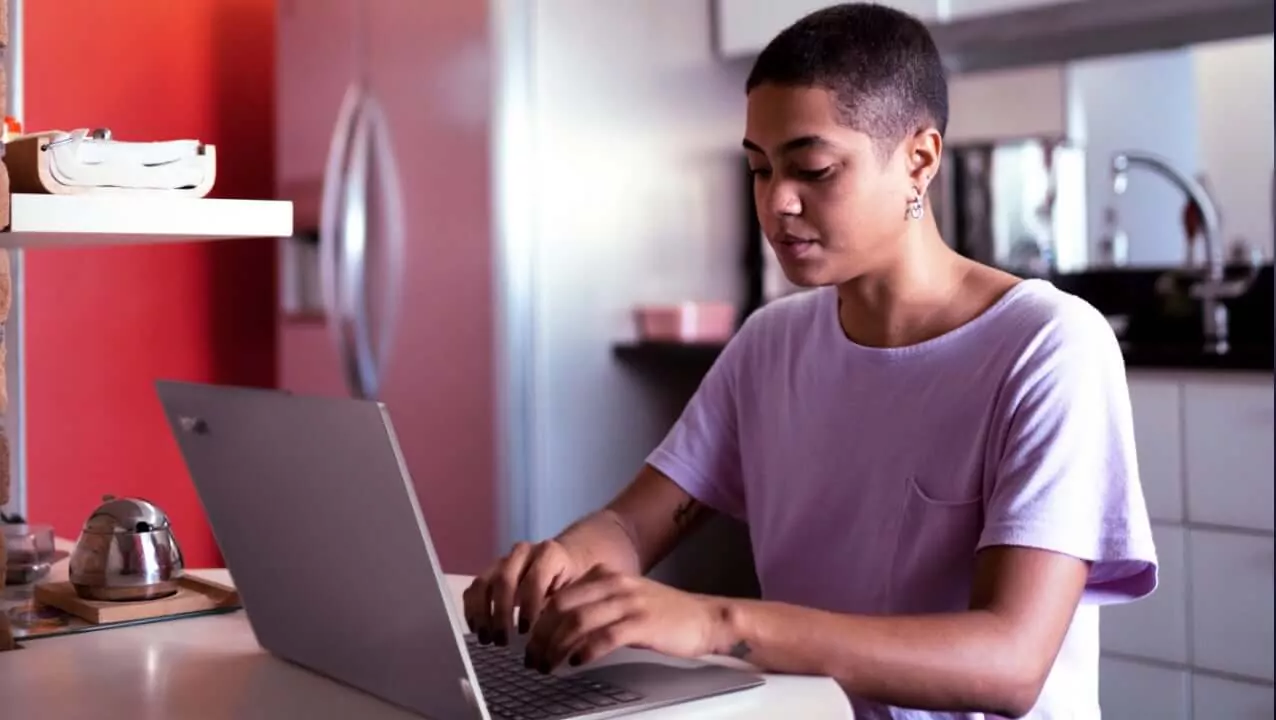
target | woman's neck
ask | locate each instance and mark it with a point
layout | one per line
(904, 302)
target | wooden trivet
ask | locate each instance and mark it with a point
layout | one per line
(194, 595)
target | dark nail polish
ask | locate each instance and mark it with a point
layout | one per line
(483, 637)
(574, 660)
(523, 626)
(500, 638)
(544, 668)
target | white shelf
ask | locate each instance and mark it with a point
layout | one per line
(38, 221)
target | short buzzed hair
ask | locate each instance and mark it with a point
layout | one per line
(881, 65)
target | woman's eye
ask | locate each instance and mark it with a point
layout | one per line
(760, 172)
(812, 175)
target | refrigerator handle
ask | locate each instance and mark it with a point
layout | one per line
(341, 212)
(390, 242)
(360, 372)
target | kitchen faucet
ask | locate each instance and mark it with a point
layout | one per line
(1213, 289)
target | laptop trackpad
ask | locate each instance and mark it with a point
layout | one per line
(660, 679)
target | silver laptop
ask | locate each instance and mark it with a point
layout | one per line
(311, 505)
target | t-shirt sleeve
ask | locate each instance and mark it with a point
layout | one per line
(701, 452)
(1067, 478)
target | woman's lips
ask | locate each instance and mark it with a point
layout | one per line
(794, 247)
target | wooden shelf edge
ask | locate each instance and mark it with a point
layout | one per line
(40, 221)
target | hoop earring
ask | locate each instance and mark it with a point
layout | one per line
(915, 207)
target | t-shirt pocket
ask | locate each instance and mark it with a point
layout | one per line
(934, 556)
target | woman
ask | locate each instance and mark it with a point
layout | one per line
(935, 459)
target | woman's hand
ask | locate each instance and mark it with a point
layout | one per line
(524, 579)
(604, 610)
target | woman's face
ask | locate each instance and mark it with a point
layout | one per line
(831, 206)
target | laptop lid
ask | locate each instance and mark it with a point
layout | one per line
(318, 521)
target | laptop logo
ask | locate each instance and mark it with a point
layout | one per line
(193, 425)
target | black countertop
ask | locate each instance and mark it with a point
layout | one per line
(671, 353)
(1163, 327)
(1252, 358)
(1242, 358)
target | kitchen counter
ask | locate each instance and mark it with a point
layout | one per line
(700, 356)
(1161, 332)
(1253, 358)
(212, 667)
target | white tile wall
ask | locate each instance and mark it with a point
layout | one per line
(1231, 602)
(1229, 700)
(1133, 691)
(1229, 429)
(1155, 627)
(1158, 438)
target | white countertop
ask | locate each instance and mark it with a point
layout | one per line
(212, 668)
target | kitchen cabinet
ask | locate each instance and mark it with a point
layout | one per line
(1135, 691)
(1158, 413)
(1202, 645)
(967, 9)
(1232, 579)
(1214, 697)
(1003, 34)
(1156, 627)
(1228, 434)
(978, 111)
(742, 28)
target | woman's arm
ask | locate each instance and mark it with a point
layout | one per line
(993, 658)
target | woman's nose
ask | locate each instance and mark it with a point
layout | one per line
(781, 201)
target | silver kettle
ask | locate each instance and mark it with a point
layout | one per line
(126, 552)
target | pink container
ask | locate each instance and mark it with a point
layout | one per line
(690, 322)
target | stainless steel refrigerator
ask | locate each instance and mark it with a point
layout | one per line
(383, 143)
(461, 251)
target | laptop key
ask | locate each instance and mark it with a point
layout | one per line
(513, 692)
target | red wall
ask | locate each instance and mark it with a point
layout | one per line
(103, 324)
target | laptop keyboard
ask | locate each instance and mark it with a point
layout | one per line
(514, 692)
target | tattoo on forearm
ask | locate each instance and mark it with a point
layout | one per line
(685, 512)
(740, 650)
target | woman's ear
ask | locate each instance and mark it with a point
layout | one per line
(926, 149)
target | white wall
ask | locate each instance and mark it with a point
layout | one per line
(1207, 108)
(635, 194)
(1137, 102)
(1234, 110)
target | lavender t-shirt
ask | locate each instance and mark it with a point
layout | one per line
(869, 477)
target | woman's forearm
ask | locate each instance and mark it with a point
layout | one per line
(958, 661)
